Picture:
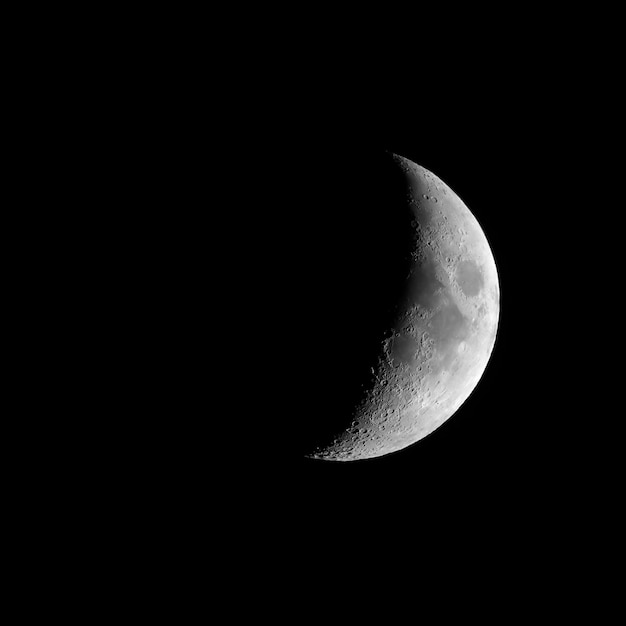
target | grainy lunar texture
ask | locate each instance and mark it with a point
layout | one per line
(434, 354)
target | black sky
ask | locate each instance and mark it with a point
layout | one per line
(519, 158)
(508, 154)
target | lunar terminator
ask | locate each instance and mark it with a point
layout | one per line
(434, 354)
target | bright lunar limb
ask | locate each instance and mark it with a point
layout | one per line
(435, 353)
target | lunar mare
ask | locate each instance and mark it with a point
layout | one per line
(436, 351)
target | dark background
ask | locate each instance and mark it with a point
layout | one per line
(261, 250)
(251, 192)
(483, 452)
(515, 472)
(507, 458)
(203, 176)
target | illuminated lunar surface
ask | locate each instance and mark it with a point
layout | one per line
(436, 351)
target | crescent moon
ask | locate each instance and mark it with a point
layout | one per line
(434, 354)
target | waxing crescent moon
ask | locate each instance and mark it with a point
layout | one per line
(434, 354)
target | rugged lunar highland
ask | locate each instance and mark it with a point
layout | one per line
(434, 354)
